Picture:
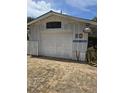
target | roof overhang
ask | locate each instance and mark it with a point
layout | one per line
(62, 15)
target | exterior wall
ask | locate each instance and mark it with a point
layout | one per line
(32, 47)
(38, 30)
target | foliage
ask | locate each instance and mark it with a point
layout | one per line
(94, 19)
(92, 41)
(29, 19)
(91, 56)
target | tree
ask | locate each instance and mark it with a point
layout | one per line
(94, 19)
(29, 19)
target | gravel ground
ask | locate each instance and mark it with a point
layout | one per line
(60, 76)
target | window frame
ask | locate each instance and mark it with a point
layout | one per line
(54, 25)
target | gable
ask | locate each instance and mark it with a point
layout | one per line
(55, 18)
(66, 24)
(61, 16)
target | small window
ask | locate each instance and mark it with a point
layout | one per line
(76, 35)
(50, 25)
(80, 35)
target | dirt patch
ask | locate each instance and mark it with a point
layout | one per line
(51, 76)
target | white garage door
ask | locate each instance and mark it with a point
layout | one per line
(56, 44)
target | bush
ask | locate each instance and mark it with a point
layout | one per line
(92, 41)
(91, 56)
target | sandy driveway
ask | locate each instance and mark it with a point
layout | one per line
(52, 76)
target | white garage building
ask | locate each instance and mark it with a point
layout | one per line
(59, 35)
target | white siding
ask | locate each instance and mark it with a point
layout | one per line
(32, 47)
(59, 42)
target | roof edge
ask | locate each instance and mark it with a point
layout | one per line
(72, 17)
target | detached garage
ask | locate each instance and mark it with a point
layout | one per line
(58, 35)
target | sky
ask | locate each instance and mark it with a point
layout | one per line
(86, 9)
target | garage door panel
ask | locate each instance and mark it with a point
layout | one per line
(56, 44)
(60, 50)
